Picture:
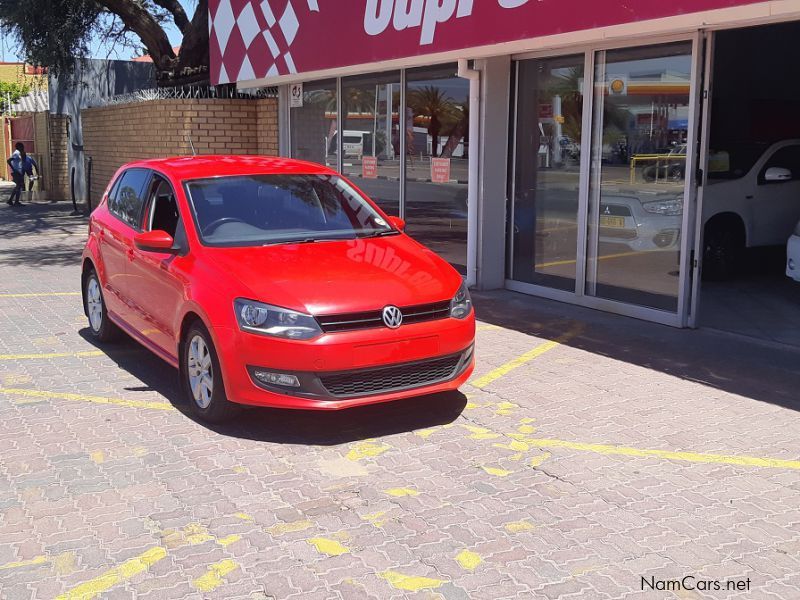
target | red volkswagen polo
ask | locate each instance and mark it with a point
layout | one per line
(272, 282)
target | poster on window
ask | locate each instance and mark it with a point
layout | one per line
(369, 167)
(440, 170)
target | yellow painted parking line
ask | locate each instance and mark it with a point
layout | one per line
(117, 575)
(42, 294)
(561, 263)
(494, 375)
(36, 560)
(47, 355)
(212, 578)
(487, 327)
(695, 457)
(410, 583)
(28, 393)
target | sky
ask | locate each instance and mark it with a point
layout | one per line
(97, 47)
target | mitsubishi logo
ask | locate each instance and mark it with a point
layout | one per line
(392, 317)
(606, 210)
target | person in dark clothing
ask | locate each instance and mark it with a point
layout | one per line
(20, 164)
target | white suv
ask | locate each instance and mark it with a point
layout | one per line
(759, 209)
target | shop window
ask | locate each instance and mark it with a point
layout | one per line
(370, 136)
(313, 125)
(549, 109)
(437, 154)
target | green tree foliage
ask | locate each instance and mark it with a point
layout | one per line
(53, 33)
(13, 91)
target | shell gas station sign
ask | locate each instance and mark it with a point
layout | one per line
(271, 39)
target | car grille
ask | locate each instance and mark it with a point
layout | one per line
(374, 318)
(394, 378)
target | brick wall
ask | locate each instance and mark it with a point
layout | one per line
(57, 176)
(114, 135)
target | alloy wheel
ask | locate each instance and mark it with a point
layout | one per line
(200, 371)
(94, 304)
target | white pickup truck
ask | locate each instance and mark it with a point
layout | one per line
(761, 208)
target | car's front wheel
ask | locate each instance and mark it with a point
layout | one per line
(202, 377)
(100, 326)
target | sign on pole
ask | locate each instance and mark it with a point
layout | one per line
(440, 170)
(369, 167)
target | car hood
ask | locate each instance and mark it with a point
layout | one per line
(336, 277)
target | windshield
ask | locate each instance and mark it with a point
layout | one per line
(257, 210)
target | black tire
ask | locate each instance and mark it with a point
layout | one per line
(100, 326)
(649, 174)
(723, 248)
(214, 407)
(675, 174)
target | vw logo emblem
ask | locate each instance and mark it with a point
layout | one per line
(392, 317)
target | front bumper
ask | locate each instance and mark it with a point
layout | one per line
(347, 369)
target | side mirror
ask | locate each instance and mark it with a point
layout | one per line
(155, 241)
(776, 174)
(398, 223)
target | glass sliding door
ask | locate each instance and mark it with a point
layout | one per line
(641, 122)
(437, 152)
(547, 171)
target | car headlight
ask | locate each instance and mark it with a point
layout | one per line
(664, 207)
(265, 319)
(461, 304)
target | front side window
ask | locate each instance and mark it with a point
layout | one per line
(126, 202)
(162, 214)
(256, 210)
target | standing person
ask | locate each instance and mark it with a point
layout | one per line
(21, 164)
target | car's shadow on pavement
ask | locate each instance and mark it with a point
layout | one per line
(286, 426)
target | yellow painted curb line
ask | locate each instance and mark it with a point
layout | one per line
(81, 398)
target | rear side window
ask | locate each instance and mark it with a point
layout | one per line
(126, 200)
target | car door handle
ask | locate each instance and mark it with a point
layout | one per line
(130, 254)
(748, 197)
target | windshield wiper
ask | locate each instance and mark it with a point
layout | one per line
(308, 240)
(380, 233)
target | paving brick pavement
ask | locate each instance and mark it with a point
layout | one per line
(615, 455)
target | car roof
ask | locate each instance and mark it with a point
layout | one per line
(211, 165)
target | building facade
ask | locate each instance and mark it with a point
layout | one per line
(552, 147)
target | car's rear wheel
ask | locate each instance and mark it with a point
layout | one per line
(100, 326)
(202, 377)
(722, 253)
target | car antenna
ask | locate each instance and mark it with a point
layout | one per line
(191, 144)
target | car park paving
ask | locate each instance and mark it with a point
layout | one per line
(589, 452)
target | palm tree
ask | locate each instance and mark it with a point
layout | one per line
(441, 111)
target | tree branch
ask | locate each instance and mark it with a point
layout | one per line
(178, 14)
(143, 24)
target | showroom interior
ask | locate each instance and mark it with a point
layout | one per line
(755, 104)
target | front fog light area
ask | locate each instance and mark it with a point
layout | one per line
(281, 379)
